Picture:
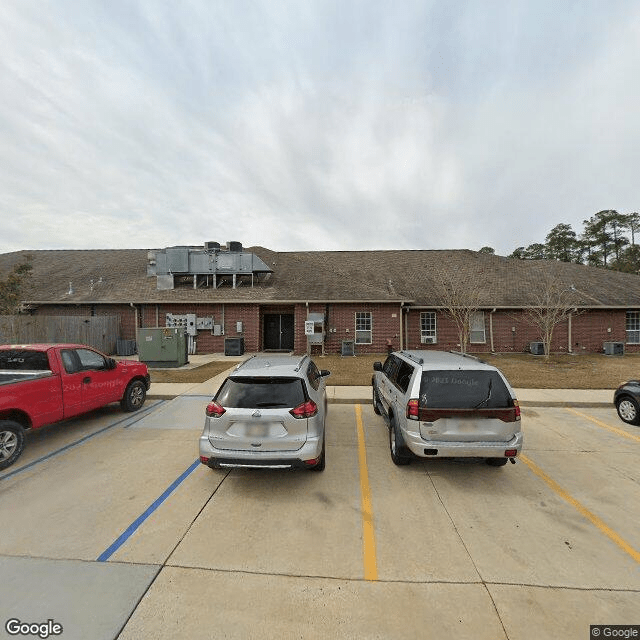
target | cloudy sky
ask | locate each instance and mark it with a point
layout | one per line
(313, 124)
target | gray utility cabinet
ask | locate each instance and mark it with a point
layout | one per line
(163, 346)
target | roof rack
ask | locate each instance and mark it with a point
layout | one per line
(465, 355)
(416, 359)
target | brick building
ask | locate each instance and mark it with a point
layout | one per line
(368, 298)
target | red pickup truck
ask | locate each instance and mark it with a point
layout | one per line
(44, 383)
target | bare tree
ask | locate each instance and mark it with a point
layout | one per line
(553, 303)
(459, 296)
(13, 287)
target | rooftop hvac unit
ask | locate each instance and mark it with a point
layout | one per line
(613, 348)
(537, 348)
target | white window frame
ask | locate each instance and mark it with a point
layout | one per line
(477, 326)
(363, 326)
(428, 327)
(632, 327)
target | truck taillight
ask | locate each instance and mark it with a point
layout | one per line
(214, 410)
(412, 409)
(307, 409)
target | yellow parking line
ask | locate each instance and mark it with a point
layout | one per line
(592, 517)
(368, 534)
(620, 432)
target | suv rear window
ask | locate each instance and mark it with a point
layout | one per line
(463, 389)
(24, 360)
(266, 393)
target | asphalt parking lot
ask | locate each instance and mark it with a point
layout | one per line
(110, 528)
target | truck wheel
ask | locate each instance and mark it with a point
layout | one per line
(11, 442)
(134, 396)
(400, 455)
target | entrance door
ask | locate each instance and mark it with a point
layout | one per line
(278, 331)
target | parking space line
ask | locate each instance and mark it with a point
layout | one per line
(138, 416)
(620, 432)
(592, 517)
(368, 533)
(135, 525)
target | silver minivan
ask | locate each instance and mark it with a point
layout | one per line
(269, 413)
(442, 404)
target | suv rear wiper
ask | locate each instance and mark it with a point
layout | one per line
(487, 398)
(271, 404)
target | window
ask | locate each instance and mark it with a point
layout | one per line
(314, 375)
(90, 360)
(476, 326)
(633, 327)
(364, 325)
(428, 327)
(261, 393)
(403, 377)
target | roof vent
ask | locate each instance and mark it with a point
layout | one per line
(235, 247)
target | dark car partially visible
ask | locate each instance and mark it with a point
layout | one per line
(627, 401)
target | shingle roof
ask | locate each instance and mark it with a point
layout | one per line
(326, 276)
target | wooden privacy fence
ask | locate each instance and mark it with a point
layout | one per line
(100, 332)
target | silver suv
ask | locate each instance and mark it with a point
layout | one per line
(270, 412)
(440, 404)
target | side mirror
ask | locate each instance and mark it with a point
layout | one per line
(377, 366)
(324, 373)
(111, 363)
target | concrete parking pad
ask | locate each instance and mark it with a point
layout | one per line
(197, 604)
(183, 412)
(532, 613)
(275, 521)
(90, 600)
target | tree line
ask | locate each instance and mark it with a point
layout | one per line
(608, 240)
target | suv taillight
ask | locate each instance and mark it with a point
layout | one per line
(307, 409)
(517, 406)
(412, 409)
(214, 410)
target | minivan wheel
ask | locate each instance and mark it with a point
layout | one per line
(497, 462)
(628, 410)
(400, 455)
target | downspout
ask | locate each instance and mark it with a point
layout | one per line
(157, 316)
(569, 334)
(401, 328)
(305, 337)
(135, 309)
(491, 328)
(406, 327)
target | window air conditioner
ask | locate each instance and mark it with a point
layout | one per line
(427, 339)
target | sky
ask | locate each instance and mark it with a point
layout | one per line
(314, 125)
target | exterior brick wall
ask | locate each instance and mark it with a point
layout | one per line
(512, 332)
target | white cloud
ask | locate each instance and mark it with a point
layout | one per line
(313, 126)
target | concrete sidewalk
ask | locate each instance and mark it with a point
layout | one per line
(362, 395)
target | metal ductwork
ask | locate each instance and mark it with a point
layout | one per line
(209, 266)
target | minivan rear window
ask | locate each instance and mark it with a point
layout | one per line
(463, 389)
(23, 360)
(260, 392)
